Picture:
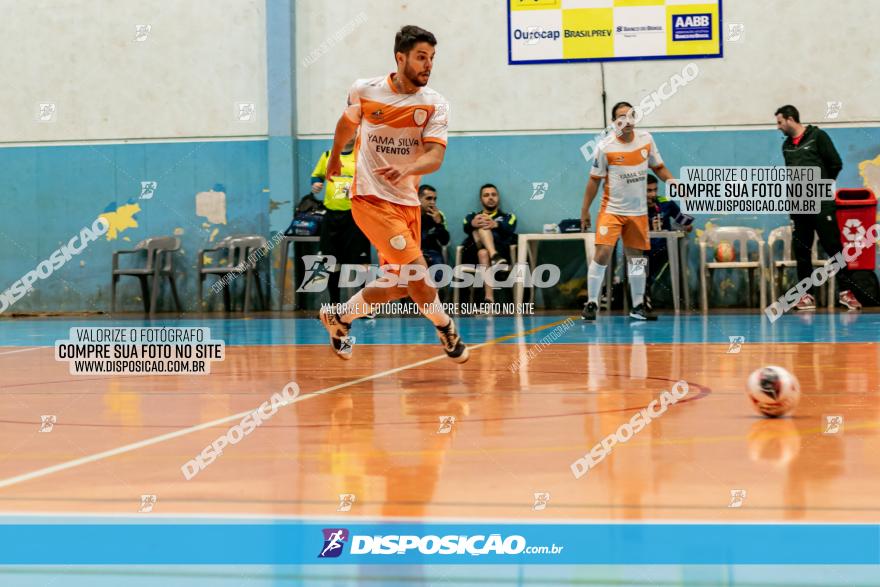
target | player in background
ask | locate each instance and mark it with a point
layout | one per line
(622, 161)
(403, 128)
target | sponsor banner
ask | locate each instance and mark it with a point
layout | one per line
(553, 31)
(163, 541)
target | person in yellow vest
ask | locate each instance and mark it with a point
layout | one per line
(340, 236)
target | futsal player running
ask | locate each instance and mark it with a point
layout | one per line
(622, 161)
(403, 127)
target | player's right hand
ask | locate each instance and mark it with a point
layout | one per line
(585, 221)
(317, 187)
(334, 167)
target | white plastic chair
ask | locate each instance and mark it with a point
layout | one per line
(158, 263)
(237, 249)
(783, 234)
(736, 235)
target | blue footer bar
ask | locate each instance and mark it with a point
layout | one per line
(336, 542)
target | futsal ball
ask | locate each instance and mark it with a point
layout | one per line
(773, 391)
(725, 253)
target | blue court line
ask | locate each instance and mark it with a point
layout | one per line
(608, 329)
(292, 542)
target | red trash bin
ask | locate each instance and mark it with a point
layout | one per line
(856, 213)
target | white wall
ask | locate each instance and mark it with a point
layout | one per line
(805, 52)
(200, 58)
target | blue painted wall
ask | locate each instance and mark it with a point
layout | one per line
(514, 162)
(50, 193)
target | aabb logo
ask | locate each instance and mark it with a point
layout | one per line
(692, 27)
(334, 540)
(695, 20)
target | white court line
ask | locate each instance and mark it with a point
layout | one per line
(232, 418)
(22, 350)
(205, 425)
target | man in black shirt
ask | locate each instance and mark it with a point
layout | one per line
(490, 233)
(435, 235)
(810, 146)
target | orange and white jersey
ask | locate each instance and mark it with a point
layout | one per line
(624, 167)
(394, 128)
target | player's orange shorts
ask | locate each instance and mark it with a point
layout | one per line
(395, 230)
(634, 229)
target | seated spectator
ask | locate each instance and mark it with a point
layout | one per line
(663, 214)
(435, 236)
(490, 233)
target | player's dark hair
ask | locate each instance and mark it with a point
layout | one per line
(652, 179)
(425, 187)
(789, 111)
(616, 106)
(408, 36)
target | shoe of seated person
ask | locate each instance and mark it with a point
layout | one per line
(500, 262)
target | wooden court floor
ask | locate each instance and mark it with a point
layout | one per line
(524, 411)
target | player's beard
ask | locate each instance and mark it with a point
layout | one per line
(412, 76)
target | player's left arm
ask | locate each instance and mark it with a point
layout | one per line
(428, 162)
(655, 162)
(663, 173)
